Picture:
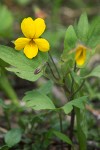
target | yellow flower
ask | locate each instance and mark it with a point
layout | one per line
(80, 55)
(31, 43)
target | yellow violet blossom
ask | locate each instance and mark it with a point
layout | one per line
(31, 43)
(80, 55)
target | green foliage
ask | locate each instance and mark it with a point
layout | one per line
(94, 73)
(67, 57)
(83, 28)
(13, 137)
(76, 77)
(74, 35)
(79, 102)
(92, 92)
(6, 21)
(22, 66)
(87, 34)
(38, 100)
(83, 33)
(3, 64)
(63, 137)
(94, 33)
(69, 42)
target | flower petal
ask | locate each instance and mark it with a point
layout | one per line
(20, 43)
(42, 44)
(80, 61)
(28, 27)
(31, 50)
(78, 53)
(80, 56)
(39, 27)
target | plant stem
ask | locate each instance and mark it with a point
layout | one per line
(61, 128)
(72, 123)
(52, 71)
(78, 88)
(65, 87)
(54, 65)
(72, 84)
(72, 113)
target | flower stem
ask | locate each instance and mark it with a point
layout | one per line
(72, 84)
(72, 113)
(52, 71)
(65, 87)
(78, 88)
(54, 65)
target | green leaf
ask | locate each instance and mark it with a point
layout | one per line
(38, 101)
(69, 41)
(79, 103)
(6, 21)
(47, 87)
(63, 137)
(83, 28)
(94, 33)
(94, 73)
(13, 137)
(67, 108)
(22, 66)
(76, 77)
